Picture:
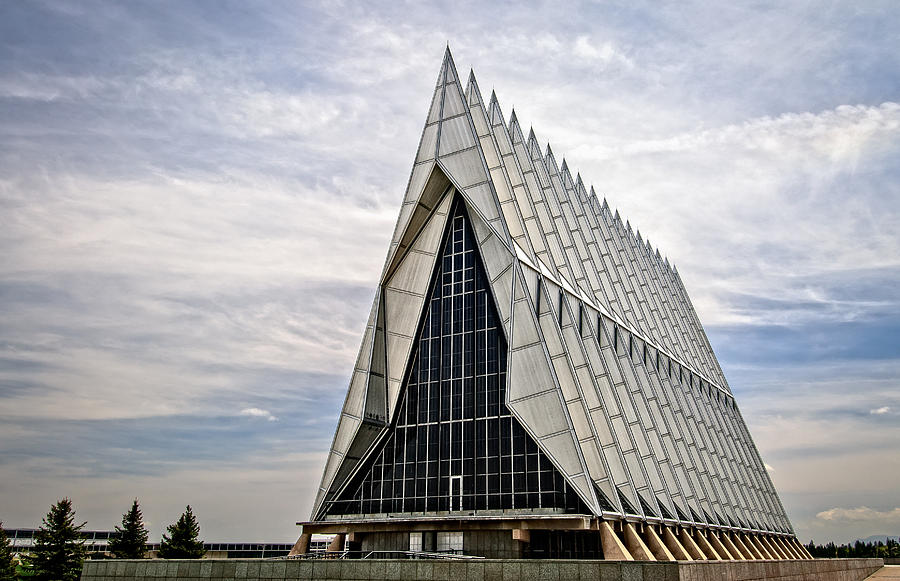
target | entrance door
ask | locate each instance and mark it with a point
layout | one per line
(456, 493)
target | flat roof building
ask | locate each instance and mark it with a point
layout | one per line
(533, 380)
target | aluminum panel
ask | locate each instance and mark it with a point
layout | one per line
(454, 102)
(483, 198)
(456, 134)
(565, 453)
(414, 273)
(529, 373)
(402, 312)
(524, 331)
(464, 168)
(427, 145)
(398, 349)
(502, 288)
(543, 415)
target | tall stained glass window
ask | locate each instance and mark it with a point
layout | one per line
(454, 446)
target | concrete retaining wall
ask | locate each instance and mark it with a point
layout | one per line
(479, 570)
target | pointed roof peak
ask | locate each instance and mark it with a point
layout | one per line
(617, 217)
(494, 97)
(549, 150)
(513, 118)
(531, 136)
(564, 167)
(471, 76)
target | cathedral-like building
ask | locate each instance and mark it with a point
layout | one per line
(533, 380)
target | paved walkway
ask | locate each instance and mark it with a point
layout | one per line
(886, 572)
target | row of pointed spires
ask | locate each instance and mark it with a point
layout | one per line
(606, 213)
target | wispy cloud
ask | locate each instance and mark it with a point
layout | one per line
(258, 413)
(862, 513)
(197, 202)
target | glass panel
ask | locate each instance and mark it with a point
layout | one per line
(455, 445)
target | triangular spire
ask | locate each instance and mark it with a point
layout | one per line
(473, 95)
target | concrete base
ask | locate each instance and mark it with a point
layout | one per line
(480, 570)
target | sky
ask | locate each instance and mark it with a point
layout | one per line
(196, 200)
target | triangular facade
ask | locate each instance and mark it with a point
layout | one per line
(529, 354)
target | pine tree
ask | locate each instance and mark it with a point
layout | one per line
(58, 551)
(7, 565)
(181, 542)
(130, 541)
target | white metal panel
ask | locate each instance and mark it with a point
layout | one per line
(414, 272)
(464, 168)
(483, 198)
(566, 454)
(543, 414)
(456, 134)
(529, 372)
(398, 351)
(402, 312)
(524, 331)
(454, 103)
(429, 139)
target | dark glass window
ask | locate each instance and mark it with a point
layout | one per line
(452, 422)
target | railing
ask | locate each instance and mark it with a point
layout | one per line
(379, 555)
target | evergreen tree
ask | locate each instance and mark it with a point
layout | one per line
(7, 565)
(58, 551)
(181, 542)
(130, 541)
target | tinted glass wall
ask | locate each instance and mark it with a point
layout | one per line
(454, 445)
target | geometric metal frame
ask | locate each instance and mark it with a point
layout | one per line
(609, 369)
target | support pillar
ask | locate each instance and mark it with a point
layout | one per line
(636, 546)
(705, 546)
(337, 543)
(723, 551)
(301, 547)
(521, 535)
(773, 548)
(613, 549)
(674, 546)
(787, 548)
(692, 548)
(736, 539)
(754, 540)
(657, 546)
(804, 554)
(736, 553)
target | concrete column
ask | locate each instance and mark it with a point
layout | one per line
(787, 548)
(736, 553)
(657, 546)
(636, 546)
(674, 546)
(337, 543)
(736, 539)
(804, 554)
(692, 548)
(723, 551)
(748, 542)
(704, 545)
(301, 547)
(773, 548)
(521, 535)
(613, 549)
(754, 540)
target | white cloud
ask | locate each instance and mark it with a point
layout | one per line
(258, 413)
(605, 53)
(862, 513)
(880, 411)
